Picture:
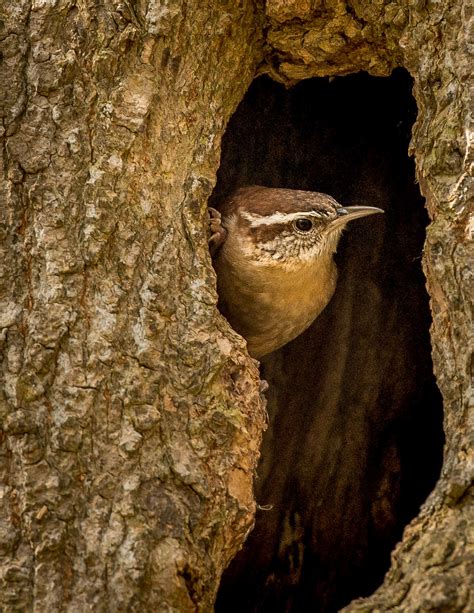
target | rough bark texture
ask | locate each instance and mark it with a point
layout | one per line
(131, 414)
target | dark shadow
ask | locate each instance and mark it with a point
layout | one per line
(355, 439)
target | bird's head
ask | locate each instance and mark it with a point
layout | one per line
(286, 226)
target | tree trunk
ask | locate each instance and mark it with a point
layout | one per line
(132, 414)
(132, 417)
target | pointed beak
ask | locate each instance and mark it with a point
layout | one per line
(349, 213)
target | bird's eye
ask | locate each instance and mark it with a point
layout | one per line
(303, 224)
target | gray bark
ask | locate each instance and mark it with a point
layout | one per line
(131, 413)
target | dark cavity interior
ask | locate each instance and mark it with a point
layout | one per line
(355, 439)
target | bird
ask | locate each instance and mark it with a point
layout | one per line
(272, 251)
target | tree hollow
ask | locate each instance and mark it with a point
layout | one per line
(355, 439)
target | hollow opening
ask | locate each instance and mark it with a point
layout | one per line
(355, 440)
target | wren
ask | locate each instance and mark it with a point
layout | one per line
(273, 252)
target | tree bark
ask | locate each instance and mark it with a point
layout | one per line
(131, 414)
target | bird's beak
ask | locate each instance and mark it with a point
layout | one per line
(349, 213)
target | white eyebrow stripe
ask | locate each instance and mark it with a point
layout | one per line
(267, 220)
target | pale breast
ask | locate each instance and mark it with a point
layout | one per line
(271, 305)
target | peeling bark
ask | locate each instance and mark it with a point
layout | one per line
(131, 413)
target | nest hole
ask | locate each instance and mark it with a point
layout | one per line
(355, 439)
